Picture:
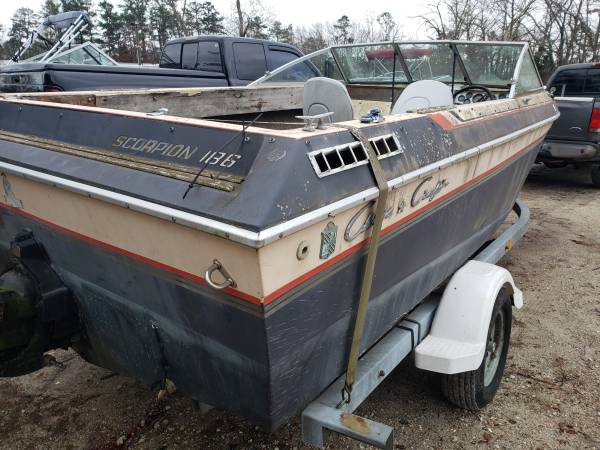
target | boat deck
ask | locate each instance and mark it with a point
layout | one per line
(279, 105)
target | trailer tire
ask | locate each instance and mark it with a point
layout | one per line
(596, 176)
(475, 389)
(555, 164)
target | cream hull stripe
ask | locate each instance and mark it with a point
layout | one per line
(241, 235)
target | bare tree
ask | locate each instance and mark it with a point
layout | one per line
(251, 19)
(312, 38)
(558, 31)
(242, 24)
(389, 29)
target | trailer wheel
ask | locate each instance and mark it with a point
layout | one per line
(596, 176)
(475, 389)
(555, 164)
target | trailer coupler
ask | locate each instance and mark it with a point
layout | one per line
(37, 311)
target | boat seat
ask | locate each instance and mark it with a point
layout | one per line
(423, 94)
(323, 95)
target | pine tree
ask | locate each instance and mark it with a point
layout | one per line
(3, 54)
(163, 22)
(342, 29)
(134, 28)
(212, 21)
(110, 25)
(76, 5)
(280, 33)
(193, 18)
(50, 8)
(81, 5)
(23, 21)
(257, 28)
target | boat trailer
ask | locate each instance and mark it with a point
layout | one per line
(330, 413)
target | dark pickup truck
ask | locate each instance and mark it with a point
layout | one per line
(575, 137)
(186, 62)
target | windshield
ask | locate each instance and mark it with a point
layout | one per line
(318, 64)
(86, 53)
(472, 63)
(370, 64)
(99, 56)
(490, 64)
(433, 61)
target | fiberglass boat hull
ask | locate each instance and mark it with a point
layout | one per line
(264, 366)
(266, 353)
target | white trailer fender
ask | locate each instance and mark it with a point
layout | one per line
(458, 335)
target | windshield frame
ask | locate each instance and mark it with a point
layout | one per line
(517, 73)
(403, 65)
(84, 46)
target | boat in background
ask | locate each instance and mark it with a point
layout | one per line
(71, 24)
(207, 238)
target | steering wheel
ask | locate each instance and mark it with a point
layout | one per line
(465, 95)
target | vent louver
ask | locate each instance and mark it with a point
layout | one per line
(332, 160)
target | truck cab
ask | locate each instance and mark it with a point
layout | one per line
(575, 137)
(241, 60)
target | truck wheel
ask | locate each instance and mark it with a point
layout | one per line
(475, 389)
(596, 176)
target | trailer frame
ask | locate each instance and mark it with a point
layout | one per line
(329, 413)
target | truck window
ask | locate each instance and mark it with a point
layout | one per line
(280, 57)
(189, 56)
(250, 60)
(209, 56)
(592, 82)
(171, 56)
(569, 82)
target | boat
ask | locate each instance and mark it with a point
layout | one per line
(69, 27)
(216, 240)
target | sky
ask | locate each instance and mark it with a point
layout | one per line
(298, 12)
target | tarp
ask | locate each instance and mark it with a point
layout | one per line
(408, 53)
(66, 19)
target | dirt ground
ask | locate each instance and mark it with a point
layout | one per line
(550, 396)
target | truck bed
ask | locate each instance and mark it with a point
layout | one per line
(33, 77)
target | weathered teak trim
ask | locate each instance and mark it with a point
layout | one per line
(188, 102)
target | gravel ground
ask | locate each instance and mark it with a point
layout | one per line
(550, 396)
